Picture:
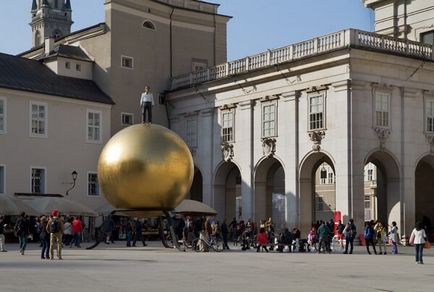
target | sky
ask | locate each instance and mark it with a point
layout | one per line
(257, 25)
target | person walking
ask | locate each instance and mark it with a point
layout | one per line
(2, 236)
(324, 234)
(380, 235)
(418, 238)
(55, 228)
(22, 231)
(369, 236)
(138, 235)
(44, 237)
(76, 227)
(350, 233)
(393, 238)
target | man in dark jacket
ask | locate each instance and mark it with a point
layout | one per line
(225, 232)
(2, 237)
(22, 231)
(350, 233)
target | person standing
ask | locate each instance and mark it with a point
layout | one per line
(262, 240)
(393, 238)
(67, 232)
(324, 234)
(225, 232)
(350, 232)
(340, 230)
(380, 235)
(146, 103)
(2, 236)
(55, 229)
(418, 238)
(138, 232)
(369, 237)
(44, 237)
(76, 227)
(22, 231)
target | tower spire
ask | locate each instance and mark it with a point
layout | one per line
(34, 5)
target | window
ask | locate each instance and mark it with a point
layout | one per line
(427, 37)
(38, 119)
(370, 172)
(92, 184)
(382, 110)
(330, 178)
(78, 67)
(38, 180)
(127, 119)
(2, 115)
(127, 62)
(192, 132)
(269, 120)
(93, 126)
(2, 179)
(228, 126)
(319, 203)
(149, 24)
(429, 113)
(67, 65)
(316, 112)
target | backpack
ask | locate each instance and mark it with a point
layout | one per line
(368, 232)
(54, 226)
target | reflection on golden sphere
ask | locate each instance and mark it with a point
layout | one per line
(145, 167)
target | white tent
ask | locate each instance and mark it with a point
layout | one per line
(10, 205)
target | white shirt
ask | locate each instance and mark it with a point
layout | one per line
(67, 228)
(419, 236)
(146, 97)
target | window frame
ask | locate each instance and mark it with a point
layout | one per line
(122, 63)
(426, 117)
(377, 94)
(231, 113)
(192, 142)
(127, 114)
(4, 115)
(36, 135)
(99, 141)
(44, 179)
(3, 192)
(78, 67)
(323, 96)
(422, 34)
(272, 103)
(98, 194)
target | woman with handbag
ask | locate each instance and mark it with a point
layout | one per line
(418, 238)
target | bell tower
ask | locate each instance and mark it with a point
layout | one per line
(50, 19)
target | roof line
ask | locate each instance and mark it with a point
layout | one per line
(193, 10)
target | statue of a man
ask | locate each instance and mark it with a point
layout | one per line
(146, 103)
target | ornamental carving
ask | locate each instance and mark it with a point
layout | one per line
(382, 134)
(227, 151)
(430, 139)
(316, 137)
(268, 146)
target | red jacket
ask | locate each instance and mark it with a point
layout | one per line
(262, 238)
(76, 226)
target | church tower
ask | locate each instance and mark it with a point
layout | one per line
(50, 18)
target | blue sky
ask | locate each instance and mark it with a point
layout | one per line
(257, 25)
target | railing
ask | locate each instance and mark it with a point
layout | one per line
(345, 38)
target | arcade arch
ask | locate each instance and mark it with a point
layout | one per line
(196, 190)
(424, 190)
(227, 191)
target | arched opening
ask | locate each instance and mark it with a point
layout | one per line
(270, 199)
(196, 190)
(149, 24)
(227, 192)
(37, 38)
(382, 188)
(424, 188)
(317, 190)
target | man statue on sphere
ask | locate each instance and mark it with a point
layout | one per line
(146, 103)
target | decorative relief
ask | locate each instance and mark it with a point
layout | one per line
(316, 137)
(268, 146)
(227, 151)
(430, 139)
(382, 134)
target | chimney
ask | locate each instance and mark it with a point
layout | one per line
(49, 45)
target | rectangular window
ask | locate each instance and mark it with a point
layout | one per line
(38, 119)
(78, 67)
(429, 114)
(319, 203)
(427, 37)
(192, 132)
(2, 115)
(269, 120)
(92, 184)
(382, 110)
(93, 126)
(127, 119)
(228, 126)
(316, 112)
(330, 177)
(127, 62)
(2, 179)
(38, 180)
(370, 172)
(67, 65)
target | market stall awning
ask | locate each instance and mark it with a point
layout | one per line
(65, 206)
(10, 205)
(192, 207)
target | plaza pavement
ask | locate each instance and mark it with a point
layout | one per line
(115, 267)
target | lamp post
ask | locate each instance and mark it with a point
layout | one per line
(74, 175)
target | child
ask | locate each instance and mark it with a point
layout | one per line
(262, 240)
(311, 239)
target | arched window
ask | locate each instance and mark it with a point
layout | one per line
(148, 24)
(37, 38)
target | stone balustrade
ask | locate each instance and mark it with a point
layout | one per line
(338, 40)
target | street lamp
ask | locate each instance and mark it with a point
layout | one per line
(74, 175)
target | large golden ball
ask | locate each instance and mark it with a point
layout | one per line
(145, 167)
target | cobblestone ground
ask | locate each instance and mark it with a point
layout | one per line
(115, 267)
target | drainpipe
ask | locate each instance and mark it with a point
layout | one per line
(171, 44)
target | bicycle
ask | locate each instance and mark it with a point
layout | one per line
(201, 244)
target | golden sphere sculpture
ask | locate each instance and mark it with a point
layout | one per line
(145, 167)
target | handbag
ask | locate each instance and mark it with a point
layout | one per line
(427, 245)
